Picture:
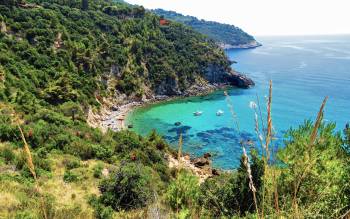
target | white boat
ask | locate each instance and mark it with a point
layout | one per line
(197, 113)
(220, 113)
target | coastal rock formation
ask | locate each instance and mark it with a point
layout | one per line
(200, 166)
(239, 80)
(218, 74)
(250, 45)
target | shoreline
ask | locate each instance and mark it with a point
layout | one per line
(114, 115)
(251, 45)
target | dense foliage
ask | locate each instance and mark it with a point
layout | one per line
(58, 58)
(52, 53)
(222, 33)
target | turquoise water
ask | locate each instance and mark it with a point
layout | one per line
(303, 69)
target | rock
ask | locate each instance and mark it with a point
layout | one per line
(239, 80)
(250, 45)
(215, 172)
(219, 74)
(207, 155)
(200, 162)
(114, 108)
(187, 157)
(177, 123)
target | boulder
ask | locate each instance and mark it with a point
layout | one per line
(207, 155)
(215, 172)
(200, 162)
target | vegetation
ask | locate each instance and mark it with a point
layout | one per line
(60, 59)
(222, 33)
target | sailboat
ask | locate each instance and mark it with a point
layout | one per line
(197, 113)
(220, 113)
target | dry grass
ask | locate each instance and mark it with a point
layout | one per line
(32, 170)
(245, 156)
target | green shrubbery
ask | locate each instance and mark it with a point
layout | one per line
(47, 89)
(184, 193)
(131, 187)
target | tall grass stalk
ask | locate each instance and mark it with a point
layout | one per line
(32, 170)
(179, 155)
(269, 124)
(245, 157)
(251, 183)
(179, 152)
(266, 192)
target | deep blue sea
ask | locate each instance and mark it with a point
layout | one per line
(303, 69)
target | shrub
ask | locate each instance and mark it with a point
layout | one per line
(97, 170)
(101, 211)
(80, 148)
(71, 162)
(184, 192)
(315, 175)
(70, 176)
(7, 153)
(229, 194)
(129, 188)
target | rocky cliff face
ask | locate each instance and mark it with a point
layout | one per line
(213, 77)
(215, 74)
(218, 74)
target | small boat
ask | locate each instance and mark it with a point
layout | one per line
(220, 113)
(197, 113)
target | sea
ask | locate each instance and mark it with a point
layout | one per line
(303, 70)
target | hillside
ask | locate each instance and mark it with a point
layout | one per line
(61, 60)
(227, 36)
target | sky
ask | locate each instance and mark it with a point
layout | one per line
(266, 17)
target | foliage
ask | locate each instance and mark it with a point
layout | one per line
(317, 175)
(183, 193)
(98, 170)
(229, 195)
(130, 187)
(70, 176)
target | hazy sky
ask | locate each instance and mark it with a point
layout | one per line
(266, 17)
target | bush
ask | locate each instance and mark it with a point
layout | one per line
(229, 194)
(130, 187)
(184, 192)
(71, 162)
(319, 173)
(97, 170)
(70, 176)
(101, 212)
(7, 153)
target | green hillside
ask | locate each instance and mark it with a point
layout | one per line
(60, 60)
(221, 33)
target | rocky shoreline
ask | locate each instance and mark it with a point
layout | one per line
(113, 112)
(200, 166)
(251, 45)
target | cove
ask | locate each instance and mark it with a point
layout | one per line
(303, 69)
